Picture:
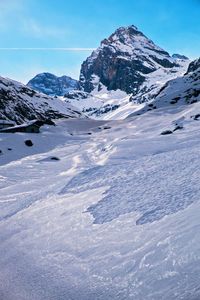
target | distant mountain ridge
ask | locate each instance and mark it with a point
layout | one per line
(126, 70)
(180, 56)
(52, 85)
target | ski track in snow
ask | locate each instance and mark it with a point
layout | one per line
(68, 227)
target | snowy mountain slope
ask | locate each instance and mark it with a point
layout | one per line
(181, 91)
(115, 217)
(20, 103)
(123, 61)
(50, 138)
(53, 85)
(100, 104)
(126, 62)
(153, 83)
(113, 105)
(127, 67)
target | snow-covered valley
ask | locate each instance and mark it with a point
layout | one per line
(99, 210)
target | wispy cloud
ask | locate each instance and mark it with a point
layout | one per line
(7, 6)
(16, 15)
(9, 10)
(39, 30)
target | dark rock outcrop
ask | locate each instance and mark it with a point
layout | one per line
(194, 66)
(28, 143)
(19, 103)
(180, 91)
(123, 61)
(180, 56)
(50, 84)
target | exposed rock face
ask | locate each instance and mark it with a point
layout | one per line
(123, 61)
(194, 66)
(19, 103)
(50, 84)
(180, 91)
(180, 56)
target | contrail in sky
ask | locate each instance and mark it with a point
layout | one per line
(47, 49)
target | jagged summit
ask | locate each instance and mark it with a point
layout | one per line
(126, 67)
(135, 39)
(129, 35)
(123, 62)
(129, 28)
(123, 32)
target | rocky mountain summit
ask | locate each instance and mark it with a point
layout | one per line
(52, 85)
(124, 61)
(128, 69)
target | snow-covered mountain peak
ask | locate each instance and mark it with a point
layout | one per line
(124, 34)
(51, 84)
(132, 37)
(123, 62)
(127, 61)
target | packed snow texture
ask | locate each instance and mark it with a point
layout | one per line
(114, 216)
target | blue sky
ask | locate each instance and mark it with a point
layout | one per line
(172, 24)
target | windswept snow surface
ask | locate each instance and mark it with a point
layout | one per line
(114, 216)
